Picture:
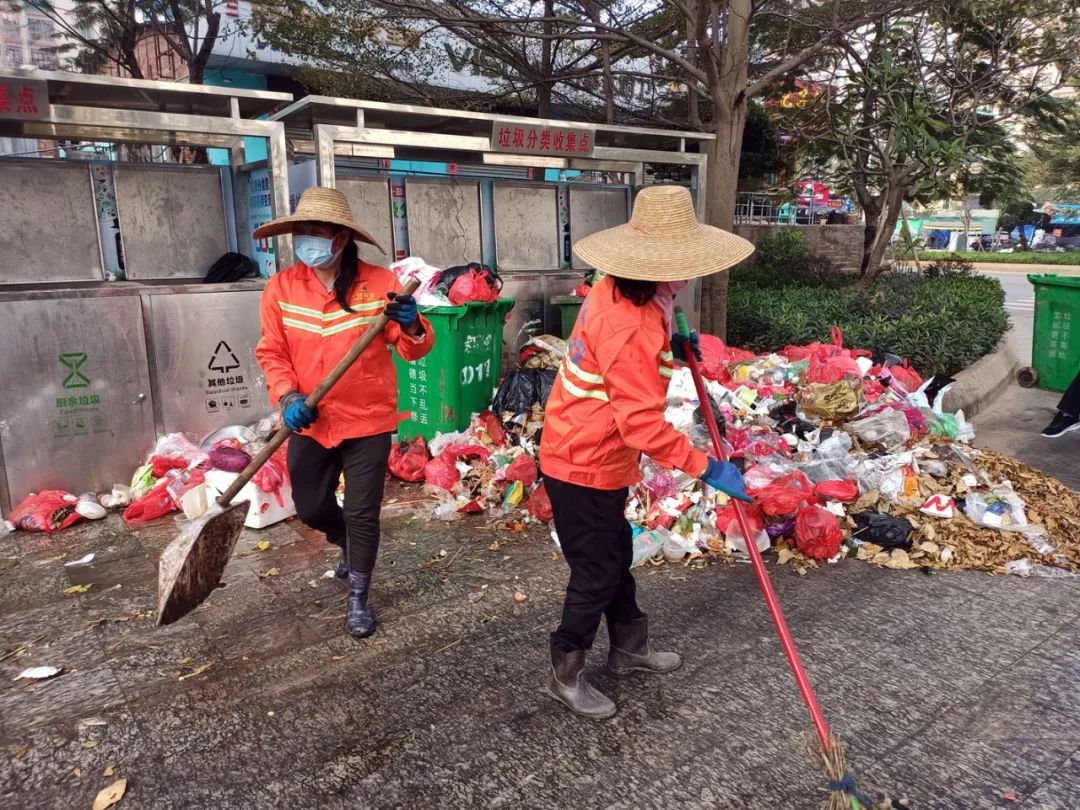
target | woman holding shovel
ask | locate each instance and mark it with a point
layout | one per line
(312, 313)
(605, 410)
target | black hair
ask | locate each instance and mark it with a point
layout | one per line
(640, 292)
(350, 269)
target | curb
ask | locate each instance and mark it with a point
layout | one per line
(981, 382)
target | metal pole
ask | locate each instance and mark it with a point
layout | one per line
(279, 199)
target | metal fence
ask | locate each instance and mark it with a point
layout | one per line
(768, 208)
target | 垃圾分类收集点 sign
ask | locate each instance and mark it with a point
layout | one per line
(23, 99)
(540, 139)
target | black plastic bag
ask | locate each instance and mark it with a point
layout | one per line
(885, 530)
(230, 267)
(523, 388)
(451, 274)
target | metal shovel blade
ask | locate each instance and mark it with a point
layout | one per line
(192, 564)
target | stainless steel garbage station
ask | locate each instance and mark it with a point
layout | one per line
(93, 370)
(487, 201)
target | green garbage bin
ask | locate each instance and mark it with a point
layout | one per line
(457, 378)
(569, 306)
(1055, 348)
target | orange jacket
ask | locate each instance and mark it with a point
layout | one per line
(305, 332)
(607, 405)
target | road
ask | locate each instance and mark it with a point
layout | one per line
(1011, 424)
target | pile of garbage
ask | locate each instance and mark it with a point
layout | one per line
(452, 286)
(845, 454)
(176, 476)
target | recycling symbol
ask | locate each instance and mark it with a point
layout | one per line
(223, 359)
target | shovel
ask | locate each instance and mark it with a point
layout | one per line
(191, 565)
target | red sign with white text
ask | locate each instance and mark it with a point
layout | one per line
(23, 99)
(541, 139)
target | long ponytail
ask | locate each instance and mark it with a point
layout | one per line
(347, 275)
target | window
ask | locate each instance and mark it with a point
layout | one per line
(43, 58)
(40, 30)
(11, 30)
(10, 57)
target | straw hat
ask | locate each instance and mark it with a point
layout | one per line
(663, 241)
(318, 204)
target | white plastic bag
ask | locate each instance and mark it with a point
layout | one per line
(647, 545)
(1001, 508)
(415, 267)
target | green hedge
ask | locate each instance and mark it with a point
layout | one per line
(941, 324)
(1066, 259)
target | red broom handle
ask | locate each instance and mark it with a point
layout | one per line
(786, 641)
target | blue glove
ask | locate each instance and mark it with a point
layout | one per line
(725, 476)
(295, 412)
(401, 309)
(678, 345)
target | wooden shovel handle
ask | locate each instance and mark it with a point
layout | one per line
(313, 400)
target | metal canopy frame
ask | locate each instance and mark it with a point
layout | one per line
(107, 108)
(328, 127)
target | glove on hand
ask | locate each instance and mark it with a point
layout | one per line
(295, 412)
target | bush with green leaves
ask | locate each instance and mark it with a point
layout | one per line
(1069, 258)
(952, 265)
(940, 324)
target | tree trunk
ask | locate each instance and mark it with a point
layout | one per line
(721, 189)
(877, 236)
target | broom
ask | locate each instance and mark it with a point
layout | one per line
(830, 755)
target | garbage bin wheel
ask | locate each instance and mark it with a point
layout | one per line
(1027, 377)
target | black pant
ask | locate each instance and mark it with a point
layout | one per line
(1070, 401)
(314, 471)
(597, 544)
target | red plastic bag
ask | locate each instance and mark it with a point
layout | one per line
(843, 490)
(521, 469)
(160, 465)
(817, 533)
(716, 356)
(407, 460)
(154, 504)
(761, 445)
(490, 423)
(442, 472)
(908, 377)
(47, 511)
(539, 505)
(832, 369)
(473, 285)
(582, 289)
(727, 523)
(274, 474)
(784, 495)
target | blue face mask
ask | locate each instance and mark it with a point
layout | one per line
(314, 251)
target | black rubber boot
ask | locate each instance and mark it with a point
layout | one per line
(632, 652)
(567, 684)
(359, 620)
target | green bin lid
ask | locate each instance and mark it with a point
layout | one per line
(1055, 280)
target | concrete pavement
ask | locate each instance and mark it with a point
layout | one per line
(1011, 424)
(956, 691)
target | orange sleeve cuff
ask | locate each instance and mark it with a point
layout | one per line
(696, 463)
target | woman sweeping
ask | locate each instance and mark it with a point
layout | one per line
(605, 410)
(311, 314)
